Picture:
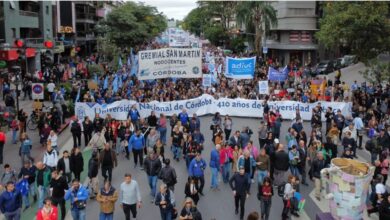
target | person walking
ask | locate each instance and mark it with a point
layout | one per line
(288, 198)
(64, 166)
(196, 170)
(317, 166)
(107, 197)
(11, 202)
(58, 185)
(93, 169)
(226, 158)
(281, 164)
(168, 175)
(263, 133)
(15, 129)
(239, 184)
(75, 129)
(262, 166)
(25, 148)
(77, 161)
(177, 143)
(130, 197)
(162, 128)
(302, 150)
(189, 211)
(50, 158)
(28, 172)
(165, 200)
(42, 179)
(266, 192)
(248, 162)
(88, 130)
(152, 167)
(3, 140)
(98, 140)
(52, 139)
(191, 190)
(215, 166)
(294, 158)
(227, 125)
(107, 161)
(48, 212)
(78, 196)
(136, 145)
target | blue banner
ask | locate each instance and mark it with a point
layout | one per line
(240, 68)
(276, 75)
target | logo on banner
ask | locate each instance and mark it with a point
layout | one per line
(240, 68)
(144, 73)
(80, 112)
(195, 70)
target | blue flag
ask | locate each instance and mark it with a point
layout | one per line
(128, 61)
(120, 62)
(78, 95)
(120, 81)
(276, 75)
(95, 78)
(240, 68)
(115, 84)
(105, 84)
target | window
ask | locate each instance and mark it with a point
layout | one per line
(47, 9)
(13, 32)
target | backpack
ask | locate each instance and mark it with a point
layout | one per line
(281, 189)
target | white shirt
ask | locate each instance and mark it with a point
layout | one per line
(50, 87)
(380, 188)
(53, 140)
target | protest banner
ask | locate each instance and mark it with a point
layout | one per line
(263, 87)
(276, 75)
(170, 62)
(206, 104)
(240, 68)
(206, 82)
(178, 37)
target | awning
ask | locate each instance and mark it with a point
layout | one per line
(8, 55)
(30, 52)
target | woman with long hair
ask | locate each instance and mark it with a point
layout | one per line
(189, 211)
(266, 192)
(191, 189)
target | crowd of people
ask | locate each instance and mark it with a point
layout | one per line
(247, 161)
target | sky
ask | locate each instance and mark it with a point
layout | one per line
(176, 9)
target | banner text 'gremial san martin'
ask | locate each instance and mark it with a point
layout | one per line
(170, 62)
(206, 104)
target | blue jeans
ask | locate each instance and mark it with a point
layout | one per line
(14, 134)
(214, 177)
(78, 214)
(176, 152)
(163, 134)
(42, 193)
(226, 172)
(261, 174)
(294, 170)
(152, 184)
(374, 157)
(105, 216)
(166, 215)
(31, 191)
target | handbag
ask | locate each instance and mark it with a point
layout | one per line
(79, 204)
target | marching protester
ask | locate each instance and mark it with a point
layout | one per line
(11, 202)
(165, 199)
(107, 197)
(196, 171)
(281, 164)
(136, 145)
(58, 187)
(108, 161)
(215, 166)
(42, 179)
(191, 189)
(93, 170)
(239, 184)
(168, 175)
(50, 158)
(78, 196)
(190, 211)
(28, 171)
(25, 148)
(65, 167)
(265, 195)
(48, 212)
(77, 161)
(152, 166)
(130, 197)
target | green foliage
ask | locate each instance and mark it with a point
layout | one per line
(133, 24)
(215, 34)
(238, 44)
(195, 21)
(377, 72)
(95, 68)
(362, 26)
(253, 14)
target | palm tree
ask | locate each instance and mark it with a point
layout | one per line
(256, 15)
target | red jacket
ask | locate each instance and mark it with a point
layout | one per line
(227, 151)
(52, 216)
(3, 137)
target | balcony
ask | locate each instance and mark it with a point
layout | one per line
(34, 42)
(86, 18)
(28, 13)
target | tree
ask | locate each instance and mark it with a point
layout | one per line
(256, 15)
(362, 26)
(378, 69)
(196, 21)
(133, 24)
(215, 34)
(237, 44)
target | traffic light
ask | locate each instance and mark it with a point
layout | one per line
(48, 44)
(49, 57)
(19, 43)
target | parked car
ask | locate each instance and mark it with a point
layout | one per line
(350, 59)
(337, 63)
(324, 67)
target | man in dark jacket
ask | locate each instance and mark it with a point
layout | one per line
(152, 167)
(317, 166)
(11, 202)
(240, 190)
(302, 158)
(108, 161)
(373, 147)
(168, 175)
(58, 184)
(75, 128)
(28, 172)
(383, 140)
(88, 130)
(281, 164)
(93, 169)
(64, 166)
(165, 200)
(235, 140)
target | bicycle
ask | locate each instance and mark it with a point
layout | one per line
(33, 120)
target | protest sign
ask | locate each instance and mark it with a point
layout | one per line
(276, 75)
(263, 87)
(206, 104)
(206, 82)
(170, 62)
(178, 37)
(240, 68)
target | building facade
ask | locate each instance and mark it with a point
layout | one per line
(292, 40)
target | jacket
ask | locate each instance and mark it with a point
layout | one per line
(196, 168)
(8, 176)
(93, 168)
(225, 152)
(241, 162)
(281, 161)
(152, 165)
(3, 137)
(10, 201)
(241, 184)
(317, 166)
(214, 159)
(25, 147)
(233, 142)
(113, 157)
(81, 194)
(78, 163)
(168, 175)
(28, 171)
(168, 198)
(52, 216)
(61, 165)
(136, 143)
(46, 176)
(107, 207)
(254, 152)
(50, 158)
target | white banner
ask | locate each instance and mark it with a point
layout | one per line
(37, 91)
(170, 62)
(206, 82)
(206, 104)
(263, 87)
(178, 37)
